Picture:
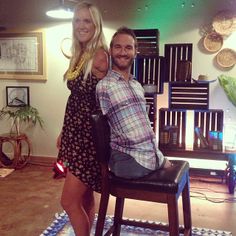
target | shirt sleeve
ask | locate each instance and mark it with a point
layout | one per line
(102, 96)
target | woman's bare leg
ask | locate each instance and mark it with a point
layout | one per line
(72, 201)
(89, 206)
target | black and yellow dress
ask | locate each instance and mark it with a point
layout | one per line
(77, 150)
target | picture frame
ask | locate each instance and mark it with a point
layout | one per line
(17, 96)
(22, 56)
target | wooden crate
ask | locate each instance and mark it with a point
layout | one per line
(207, 120)
(149, 70)
(151, 104)
(173, 54)
(176, 119)
(148, 41)
(191, 96)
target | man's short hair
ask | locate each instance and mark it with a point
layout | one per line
(124, 30)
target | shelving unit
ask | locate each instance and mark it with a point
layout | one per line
(175, 68)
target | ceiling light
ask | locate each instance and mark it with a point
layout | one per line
(60, 12)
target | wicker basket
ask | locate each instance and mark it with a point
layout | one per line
(213, 42)
(224, 22)
(226, 58)
(66, 47)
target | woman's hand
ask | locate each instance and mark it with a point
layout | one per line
(59, 141)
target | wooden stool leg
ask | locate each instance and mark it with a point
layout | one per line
(118, 215)
(187, 208)
(102, 214)
(173, 215)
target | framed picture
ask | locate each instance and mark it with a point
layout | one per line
(17, 96)
(22, 56)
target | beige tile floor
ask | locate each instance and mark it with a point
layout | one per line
(30, 197)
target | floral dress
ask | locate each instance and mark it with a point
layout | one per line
(77, 149)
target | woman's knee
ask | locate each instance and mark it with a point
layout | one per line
(87, 202)
(71, 197)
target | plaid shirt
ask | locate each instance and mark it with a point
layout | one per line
(125, 106)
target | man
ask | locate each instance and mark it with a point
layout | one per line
(134, 148)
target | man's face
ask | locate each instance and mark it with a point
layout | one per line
(122, 52)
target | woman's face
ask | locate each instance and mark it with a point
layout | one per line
(84, 27)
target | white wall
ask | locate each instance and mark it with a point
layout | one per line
(50, 96)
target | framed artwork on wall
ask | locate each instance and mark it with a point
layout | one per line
(22, 56)
(17, 96)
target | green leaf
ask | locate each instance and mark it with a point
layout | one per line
(228, 83)
(25, 114)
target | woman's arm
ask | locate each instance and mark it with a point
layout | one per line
(58, 143)
(100, 63)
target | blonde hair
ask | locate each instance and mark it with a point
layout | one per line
(97, 41)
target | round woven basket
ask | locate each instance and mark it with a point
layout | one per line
(66, 47)
(213, 42)
(224, 22)
(226, 58)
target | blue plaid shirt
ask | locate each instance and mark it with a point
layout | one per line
(125, 106)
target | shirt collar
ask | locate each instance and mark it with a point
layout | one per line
(118, 76)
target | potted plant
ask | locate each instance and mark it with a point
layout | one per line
(20, 115)
(228, 83)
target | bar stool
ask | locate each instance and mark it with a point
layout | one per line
(161, 186)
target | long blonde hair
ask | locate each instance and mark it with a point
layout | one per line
(97, 41)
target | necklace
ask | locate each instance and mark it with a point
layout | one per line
(73, 74)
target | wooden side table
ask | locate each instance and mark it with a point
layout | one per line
(19, 160)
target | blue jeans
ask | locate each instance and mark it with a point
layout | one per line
(125, 166)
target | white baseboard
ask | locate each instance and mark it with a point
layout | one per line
(43, 159)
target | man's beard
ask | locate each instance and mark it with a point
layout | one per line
(122, 67)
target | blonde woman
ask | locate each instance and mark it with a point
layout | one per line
(88, 64)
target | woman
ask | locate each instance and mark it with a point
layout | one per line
(88, 64)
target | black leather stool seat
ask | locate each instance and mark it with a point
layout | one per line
(163, 180)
